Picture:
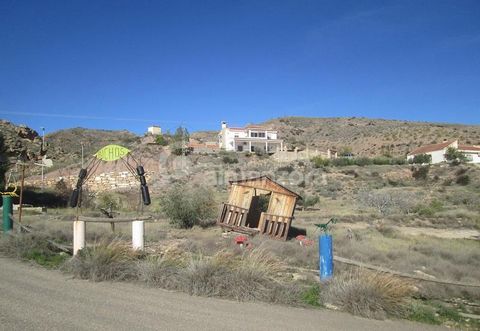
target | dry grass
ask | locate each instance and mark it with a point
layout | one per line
(368, 294)
(105, 261)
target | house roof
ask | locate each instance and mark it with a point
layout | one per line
(265, 183)
(469, 148)
(431, 148)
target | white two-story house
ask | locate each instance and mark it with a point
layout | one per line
(249, 139)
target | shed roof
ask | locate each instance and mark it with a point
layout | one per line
(265, 183)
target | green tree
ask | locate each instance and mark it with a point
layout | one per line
(181, 134)
(454, 156)
(161, 140)
(422, 159)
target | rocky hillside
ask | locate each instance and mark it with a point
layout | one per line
(363, 136)
(20, 141)
(65, 146)
(369, 137)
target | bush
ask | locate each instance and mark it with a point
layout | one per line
(430, 210)
(309, 201)
(463, 180)
(319, 162)
(161, 140)
(420, 173)
(422, 159)
(454, 156)
(106, 261)
(187, 206)
(160, 272)
(342, 162)
(288, 168)
(230, 158)
(33, 247)
(363, 161)
(386, 202)
(368, 294)
(381, 160)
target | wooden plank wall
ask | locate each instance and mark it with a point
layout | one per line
(241, 196)
(281, 205)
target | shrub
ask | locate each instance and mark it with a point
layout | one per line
(342, 162)
(368, 294)
(108, 200)
(288, 168)
(454, 156)
(422, 159)
(381, 160)
(309, 201)
(463, 180)
(386, 202)
(34, 247)
(160, 272)
(187, 205)
(363, 161)
(420, 173)
(105, 261)
(230, 158)
(319, 162)
(161, 140)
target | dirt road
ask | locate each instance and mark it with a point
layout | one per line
(32, 298)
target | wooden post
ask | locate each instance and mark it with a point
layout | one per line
(21, 194)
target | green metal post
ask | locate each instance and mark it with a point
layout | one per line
(7, 213)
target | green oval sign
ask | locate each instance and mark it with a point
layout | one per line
(112, 153)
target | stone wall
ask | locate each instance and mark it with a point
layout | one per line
(307, 154)
(107, 181)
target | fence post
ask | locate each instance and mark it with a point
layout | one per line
(78, 236)
(138, 230)
(7, 213)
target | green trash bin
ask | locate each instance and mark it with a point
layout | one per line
(7, 213)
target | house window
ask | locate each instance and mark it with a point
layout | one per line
(261, 134)
(254, 134)
(239, 148)
(252, 149)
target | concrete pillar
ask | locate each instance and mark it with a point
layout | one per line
(266, 147)
(138, 231)
(249, 146)
(79, 228)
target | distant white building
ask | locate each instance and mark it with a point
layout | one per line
(249, 139)
(438, 151)
(154, 130)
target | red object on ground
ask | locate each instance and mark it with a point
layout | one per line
(304, 241)
(300, 237)
(240, 239)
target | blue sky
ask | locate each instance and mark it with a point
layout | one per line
(129, 64)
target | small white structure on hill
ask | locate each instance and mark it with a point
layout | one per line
(249, 139)
(438, 151)
(154, 130)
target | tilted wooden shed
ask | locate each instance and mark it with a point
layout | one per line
(247, 210)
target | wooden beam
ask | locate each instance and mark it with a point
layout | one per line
(113, 220)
